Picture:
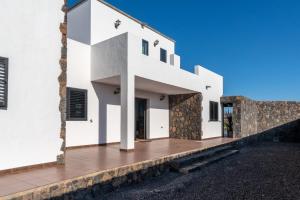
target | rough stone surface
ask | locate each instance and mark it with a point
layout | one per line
(62, 79)
(185, 116)
(252, 117)
(273, 114)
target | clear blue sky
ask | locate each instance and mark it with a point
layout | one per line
(254, 44)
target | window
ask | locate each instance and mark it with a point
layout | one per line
(3, 82)
(76, 104)
(163, 55)
(145, 47)
(214, 111)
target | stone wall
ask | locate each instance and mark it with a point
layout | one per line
(251, 117)
(249, 112)
(185, 116)
(272, 114)
(62, 79)
(243, 116)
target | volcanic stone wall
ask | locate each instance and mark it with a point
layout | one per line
(249, 112)
(185, 116)
(252, 117)
(244, 115)
(276, 113)
(62, 79)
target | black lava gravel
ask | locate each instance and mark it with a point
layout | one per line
(264, 171)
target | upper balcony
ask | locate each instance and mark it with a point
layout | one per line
(123, 55)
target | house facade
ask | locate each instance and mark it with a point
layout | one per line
(123, 83)
(30, 50)
(128, 73)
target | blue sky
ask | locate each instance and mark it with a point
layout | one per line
(254, 44)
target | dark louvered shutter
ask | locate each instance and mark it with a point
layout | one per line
(214, 111)
(76, 104)
(3, 82)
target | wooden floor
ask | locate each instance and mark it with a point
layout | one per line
(88, 160)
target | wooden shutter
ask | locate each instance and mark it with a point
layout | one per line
(3, 82)
(76, 104)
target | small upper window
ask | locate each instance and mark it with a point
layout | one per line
(145, 47)
(3, 82)
(214, 111)
(76, 104)
(163, 55)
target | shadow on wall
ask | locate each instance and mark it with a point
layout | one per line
(254, 117)
(289, 132)
(109, 104)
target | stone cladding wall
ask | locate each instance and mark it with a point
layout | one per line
(276, 113)
(249, 114)
(251, 117)
(186, 116)
(62, 79)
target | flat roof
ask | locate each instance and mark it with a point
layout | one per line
(125, 14)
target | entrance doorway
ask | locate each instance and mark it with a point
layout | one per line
(140, 119)
(227, 120)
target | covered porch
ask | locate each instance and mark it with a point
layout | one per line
(87, 166)
(157, 100)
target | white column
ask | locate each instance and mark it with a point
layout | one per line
(127, 111)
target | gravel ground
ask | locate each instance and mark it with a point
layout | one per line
(264, 171)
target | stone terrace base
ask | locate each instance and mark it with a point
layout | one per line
(93, 167)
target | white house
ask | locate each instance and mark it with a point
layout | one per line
(30, 49)
(124, 71)
(124, 83)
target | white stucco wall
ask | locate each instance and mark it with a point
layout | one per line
(30, 38)
(213, 93)
(79, 23)
(102, 28)
(81, 132)
(93, 22)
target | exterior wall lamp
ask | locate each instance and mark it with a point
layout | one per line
(156, 42)
(117, 91)
(162, 97)
(117, 23)
(208, 87)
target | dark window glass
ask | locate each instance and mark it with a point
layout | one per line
(3, 82)
(76, 104)
(163, 55)
(145, 47)
(214, 111)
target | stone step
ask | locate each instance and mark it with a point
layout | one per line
(201, 164)
(179, 163)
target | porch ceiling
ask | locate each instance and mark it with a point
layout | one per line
(149, 85)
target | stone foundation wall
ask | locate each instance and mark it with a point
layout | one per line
(185, 116)
(96, 184)
(251, 117)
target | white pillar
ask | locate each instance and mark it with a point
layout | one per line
(127, 111)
